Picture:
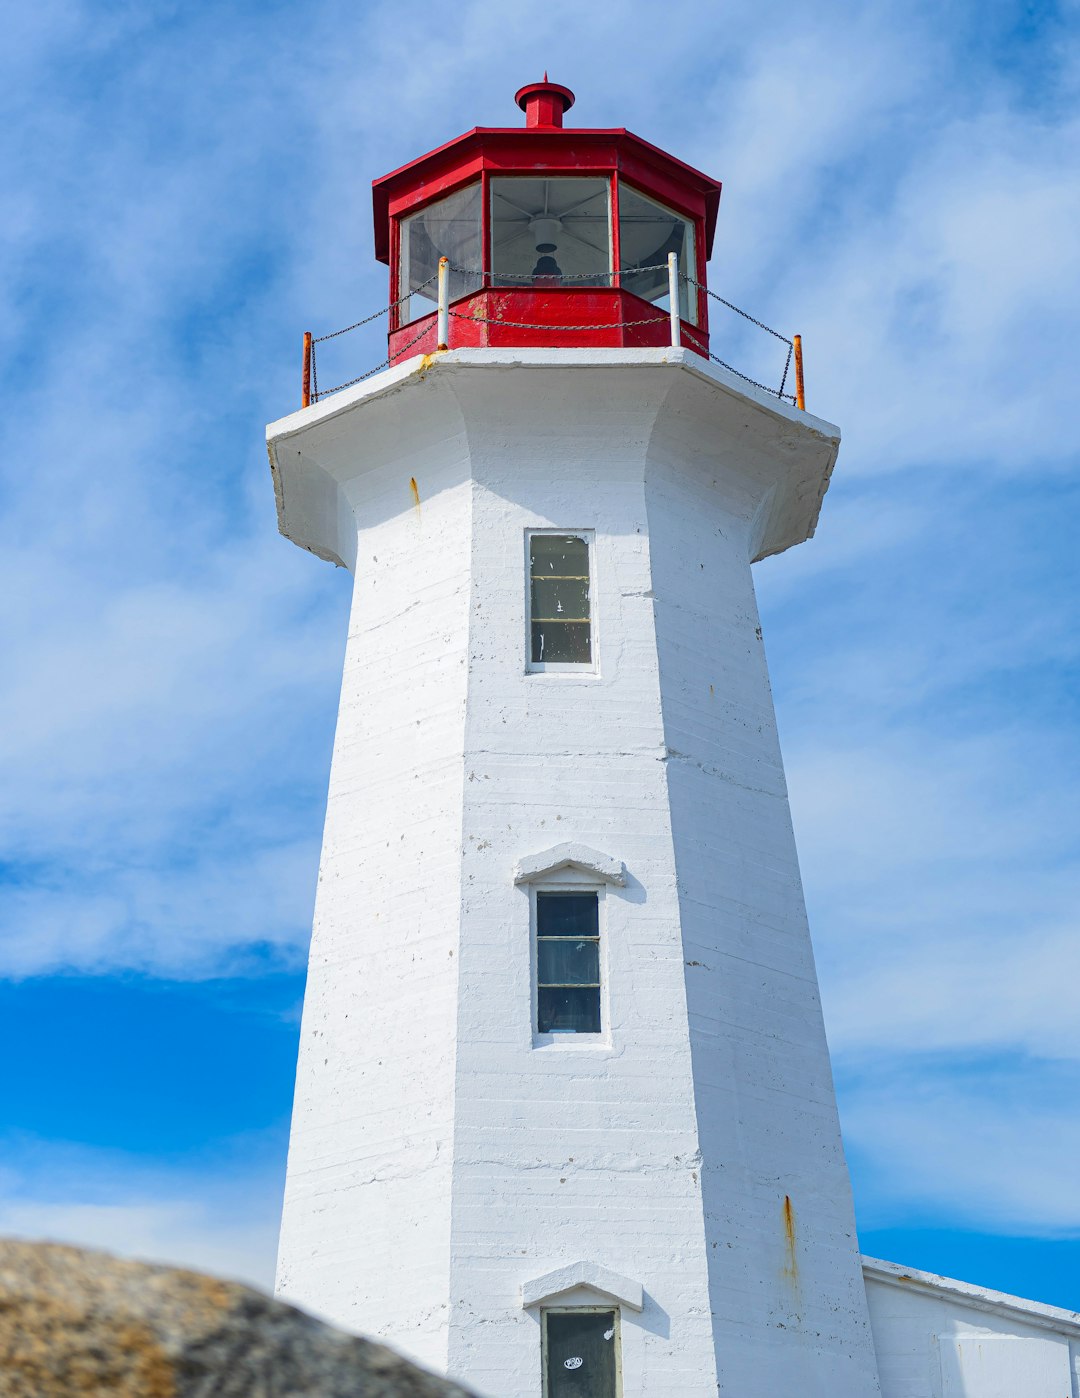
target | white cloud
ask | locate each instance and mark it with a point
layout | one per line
(944, 890)
(221, 1218)
(942, 322)
(985, 1151)
(225, 911)
(165, 751)
(181, 1232)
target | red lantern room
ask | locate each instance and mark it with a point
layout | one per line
(553, 237)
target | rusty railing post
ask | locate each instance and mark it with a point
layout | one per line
(305, 386)
(800, 386)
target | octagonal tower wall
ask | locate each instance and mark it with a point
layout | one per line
(445, 1161)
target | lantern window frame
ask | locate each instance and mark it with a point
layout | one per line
(485, 153)
(607, 178)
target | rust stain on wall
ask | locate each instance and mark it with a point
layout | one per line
(791, 1265)
(415, 494)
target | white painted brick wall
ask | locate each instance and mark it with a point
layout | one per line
(565, 1153)
(366, 1224)
(439, 1158)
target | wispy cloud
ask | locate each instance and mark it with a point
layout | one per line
(966, 1142)
(221, 1218)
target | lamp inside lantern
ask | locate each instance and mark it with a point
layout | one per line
(550, 228)
(546, 234)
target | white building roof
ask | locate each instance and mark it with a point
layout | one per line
(979, 1298)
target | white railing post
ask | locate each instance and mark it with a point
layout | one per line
(673, 297)
(443, 336)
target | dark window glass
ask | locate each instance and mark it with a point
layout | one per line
(550, 232)
(567, 963)
(568, 1010)
(567, 915)
(580, 1354)
(559, 599)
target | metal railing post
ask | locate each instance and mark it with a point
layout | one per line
(443, 335)
(305, 382)
(800, 386)
(673, 298)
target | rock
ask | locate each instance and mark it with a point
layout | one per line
(76, 1324)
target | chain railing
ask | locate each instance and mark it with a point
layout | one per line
(794, 348)
(311, 393)
(527, 279)
(543, 325)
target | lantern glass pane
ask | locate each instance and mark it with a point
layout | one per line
(550, 232)
(448, 228)
(647, 233)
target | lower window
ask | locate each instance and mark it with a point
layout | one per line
(567, 963)
(581, 1354)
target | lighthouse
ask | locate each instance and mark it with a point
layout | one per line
(564, 1123)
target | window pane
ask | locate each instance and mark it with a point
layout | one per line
(448, 228)
(559, 556)
(568, 961)
(560, 1010)
(567, 915)
(545, 230)
(580, 1354)
(647, 233)
(559, 599)
(559, 643)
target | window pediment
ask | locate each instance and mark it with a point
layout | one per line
(542, 1291)
(570, 855)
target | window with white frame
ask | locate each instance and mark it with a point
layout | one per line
(580, 1353)
(567, 962)
(560, 600)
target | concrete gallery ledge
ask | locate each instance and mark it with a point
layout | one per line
(646, 394)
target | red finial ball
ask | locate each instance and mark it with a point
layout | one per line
(544, 103)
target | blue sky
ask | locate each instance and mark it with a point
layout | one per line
(187, 190)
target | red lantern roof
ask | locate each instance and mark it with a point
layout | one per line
(553, 234)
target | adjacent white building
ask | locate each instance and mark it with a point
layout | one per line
(940, 1338)
(564, 1119)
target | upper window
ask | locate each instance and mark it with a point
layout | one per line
(546, 230)
(567, 963)
(647, 233)
(448, 228)
(581, 1353)
(560, 625)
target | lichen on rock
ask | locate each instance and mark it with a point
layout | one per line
(77, 1324)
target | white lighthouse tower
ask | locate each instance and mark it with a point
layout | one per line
(564, 1119)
